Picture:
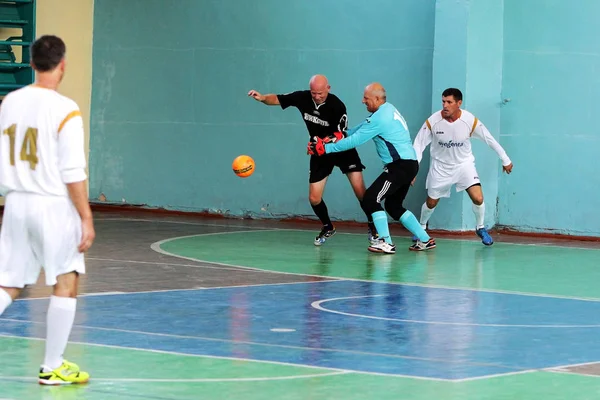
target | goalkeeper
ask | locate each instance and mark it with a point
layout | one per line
(389, 131)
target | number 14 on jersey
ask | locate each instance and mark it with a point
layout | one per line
(28, 147)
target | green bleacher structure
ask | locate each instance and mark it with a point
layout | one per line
(14, 72)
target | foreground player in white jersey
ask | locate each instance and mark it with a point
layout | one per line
(452, 162)
(47, 218)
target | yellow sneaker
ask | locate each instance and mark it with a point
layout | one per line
(68, 373)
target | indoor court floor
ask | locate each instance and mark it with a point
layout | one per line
(186, 307)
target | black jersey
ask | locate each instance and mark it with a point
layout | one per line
(321, 120)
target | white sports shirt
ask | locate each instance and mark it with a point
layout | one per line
(41, 143)
(451, 141)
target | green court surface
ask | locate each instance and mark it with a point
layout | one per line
(172, 376)
(122, 369)
(540, 269)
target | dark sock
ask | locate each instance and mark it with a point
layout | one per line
(321, 212)
(368, 214)
(372, 227)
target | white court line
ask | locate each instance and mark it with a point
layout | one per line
(239, 359)
(500, 375)
(317, 305)
(197, 380)
(186, 223)
(167, 264)
(573, 365)
(156, 247)
(182, 290)
(256, 228)
(564, 372)
(242, 342)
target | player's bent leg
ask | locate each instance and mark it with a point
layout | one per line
(427, 210)
(476, 195)
(358, 184)
(383, 244)
(315, 191)
(372, 205)
(60, 317)
(394, 206)
(315, 197)
(431, 203)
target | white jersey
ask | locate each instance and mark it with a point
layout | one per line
(42, 143)
(451, 141)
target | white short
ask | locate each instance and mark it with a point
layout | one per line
(38, 231)
(441, 177)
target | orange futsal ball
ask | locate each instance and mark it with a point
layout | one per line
(243, 166)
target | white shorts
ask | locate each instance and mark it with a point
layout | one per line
(38, 231)
(441, 177)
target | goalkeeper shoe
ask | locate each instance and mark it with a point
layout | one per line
(422, 246)
(68, 373)
(381, 246)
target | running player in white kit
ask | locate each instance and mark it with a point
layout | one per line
(452, 162)
(47, 219)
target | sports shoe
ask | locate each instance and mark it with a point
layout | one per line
(373, 236)
(485, 236)
(325, 234)
(382, 247)
(420, 246)
(68, 373)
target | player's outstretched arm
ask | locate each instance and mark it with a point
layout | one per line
(482, 133)
(268, 99)
(357, 136)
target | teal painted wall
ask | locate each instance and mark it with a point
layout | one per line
(550, 73)
(170, 111)
(468, 55)
(169, 104)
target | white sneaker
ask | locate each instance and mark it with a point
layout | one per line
(382, 247)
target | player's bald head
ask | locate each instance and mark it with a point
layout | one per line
(319, 88)
(376, 89)
(318, 82)
(374, 96)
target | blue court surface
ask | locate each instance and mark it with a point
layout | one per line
(415, 331)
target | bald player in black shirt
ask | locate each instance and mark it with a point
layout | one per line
(324, 114)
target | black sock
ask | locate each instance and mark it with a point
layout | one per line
(368, 214)
(321, 212)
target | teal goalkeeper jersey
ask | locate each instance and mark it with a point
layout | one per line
(389, 131)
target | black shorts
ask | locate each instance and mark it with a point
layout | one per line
(322, 166)
(392, 186)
